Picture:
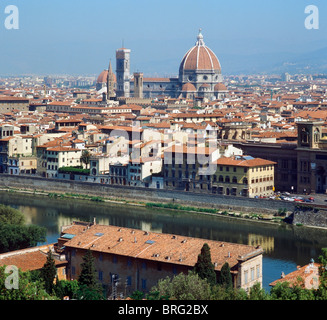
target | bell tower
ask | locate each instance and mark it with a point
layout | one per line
(123, 72)
(309, 134)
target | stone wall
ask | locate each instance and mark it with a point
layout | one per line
(314, 218)
(145, 194)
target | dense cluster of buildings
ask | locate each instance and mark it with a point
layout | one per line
(258, 139)
(244, 136)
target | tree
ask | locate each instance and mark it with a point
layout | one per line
(89, 288)
(204, 267)
(66, 288)
(257, 293)
(182, 287)
(49, 272)
(26, 290)
(225, 278)
(16, 237)
(9, 215)
(85, 157)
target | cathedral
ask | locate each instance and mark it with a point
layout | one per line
(199, 77)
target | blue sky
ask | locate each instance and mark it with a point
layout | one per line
(79, 37)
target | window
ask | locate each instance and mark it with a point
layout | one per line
(100, 275)
(143, 284)
(234, 180)
(252, 274)
(227, 179)
(246, 277)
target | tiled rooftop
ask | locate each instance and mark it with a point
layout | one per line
(28, 259)
(171, 248)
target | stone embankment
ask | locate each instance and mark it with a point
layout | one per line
(311, 216)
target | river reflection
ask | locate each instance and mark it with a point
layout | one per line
(285, 246)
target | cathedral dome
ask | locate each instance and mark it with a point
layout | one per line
(200, 57)
(188, 87)
(102, 77)
(220, 87)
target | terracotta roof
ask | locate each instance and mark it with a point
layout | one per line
(200, 57)
(28, 259)
(243, 162)
(167, 248)
(306, 273)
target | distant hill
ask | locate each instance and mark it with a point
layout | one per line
(311, 62)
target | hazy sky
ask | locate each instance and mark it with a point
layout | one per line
(80, 37)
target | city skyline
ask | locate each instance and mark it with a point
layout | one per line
(66, 38)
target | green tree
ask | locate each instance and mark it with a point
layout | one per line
(66, 288)
(257, 293)
(9, 215)
(219, 292)
(225, 277)
(85, 157)
(323, 267)
(26, 289)
(182, 287)
(49, 272)
(89, 288)
(137, 295)
(204, 267)
(15, 237)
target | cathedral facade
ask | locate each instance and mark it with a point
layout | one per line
(199, 77)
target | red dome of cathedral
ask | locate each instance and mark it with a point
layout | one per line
(200, 57)
(220, 87)
(102, 78)
(188, 87)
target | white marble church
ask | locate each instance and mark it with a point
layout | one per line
(199, 77)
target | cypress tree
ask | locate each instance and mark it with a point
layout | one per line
(225, 278)
(204, 267)
(49, 272)
(89, 288)
(88, 272)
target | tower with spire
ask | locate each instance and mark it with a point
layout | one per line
(110, 83)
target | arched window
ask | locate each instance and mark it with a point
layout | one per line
(316, 135)
(245, 181)
(221, 179)
(234, 180)
(304, 135)
(227, 179)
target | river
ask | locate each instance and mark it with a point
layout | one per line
(285, 246)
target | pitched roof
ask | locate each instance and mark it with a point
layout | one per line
(28, 259)
(167, 248)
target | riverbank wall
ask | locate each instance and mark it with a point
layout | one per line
(240, 204)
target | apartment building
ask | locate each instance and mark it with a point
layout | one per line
(243, 176)
(127, 259)
(12, 147)
(58, 157)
